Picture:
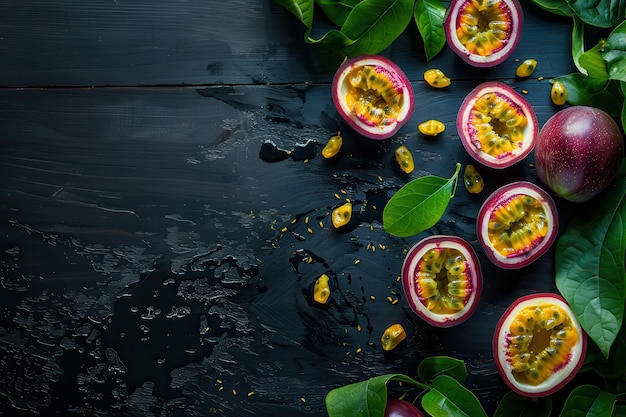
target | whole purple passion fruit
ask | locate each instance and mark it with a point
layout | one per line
(442, 280)
(401, 408)
(497, 126)
(578, 152)
(483, 33)
(538, 345)
(373, 96)
(517, 224)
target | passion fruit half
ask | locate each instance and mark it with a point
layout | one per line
(517, 224)
(497, 126)
(442, 280)
(373, 95)
(538, 345)
(483, 33)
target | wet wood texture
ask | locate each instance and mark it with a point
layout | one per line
(156, 262)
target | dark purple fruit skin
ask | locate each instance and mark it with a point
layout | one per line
(578, 152)
(401, 408)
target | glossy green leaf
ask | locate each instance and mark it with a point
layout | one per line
(448, 398)
(428, 15)
(604, 14)
(373, 25)
(588, 400)
(558, 7)
(593, 62)
(615, 53)
(596, 92)
(337, 11)
(578, 43)
(365, 398)
(590, 264)
(419, 204)
(514, 405)
(433, 366)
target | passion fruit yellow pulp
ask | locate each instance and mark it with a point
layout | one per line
(373, 95)
(538, 345)
(497, 126)
(442, 279)
(483, 32)
(517, 224)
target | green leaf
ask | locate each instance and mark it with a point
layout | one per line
(514, 405)
(614, 366)
(578, 43)
(448, 397)
(365, 398)
(337, 11)
(428, 15)
(588, 400)
(596, 92)
(373, 25)
(615, 53)
(593, 62)
(558, 7)
(604, 14)
(433, 366)
(590, 264)
(419, 204)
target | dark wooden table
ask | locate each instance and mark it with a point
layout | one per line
(157, 246)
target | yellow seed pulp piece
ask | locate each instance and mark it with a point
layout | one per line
(333, 146)
(499, 124)
(443, 280)
(517, 225)
(484, 26)
(321, 289)
(405, 159)
(392, 336)
(372, 95)
(431, 127)
(558, 94)
(472, 179)
(436, 78)
(342, 215)
(539, 342)
(526, 68)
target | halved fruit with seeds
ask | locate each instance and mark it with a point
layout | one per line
(483, 32)
(442, 280)
(497, 126)
(538, 345)
(517, 224)
(373, 96)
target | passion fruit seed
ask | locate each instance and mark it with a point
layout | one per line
(539, 342)
(558, 94)
(517, 225)
(526, 68)
(321, 289)
(472, 179)
(436, 78)
(374, 95)
(342, 215)
(333, 146)
(483, 27)
(498, 124)
(431, 127)
(404, 159)
(392, 336)
(443, 280)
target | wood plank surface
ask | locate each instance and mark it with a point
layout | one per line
(159, 243)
